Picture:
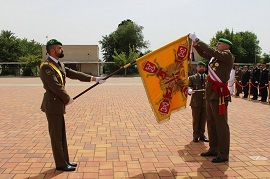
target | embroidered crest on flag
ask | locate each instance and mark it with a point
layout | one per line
(164, 74)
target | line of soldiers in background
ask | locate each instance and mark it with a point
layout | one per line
(252, 80)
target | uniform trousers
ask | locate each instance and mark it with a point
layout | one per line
(199, 121)
(264, 93)
(57, 131)
(238, 89)
(245, 89)
(255, 90)
(218, 129)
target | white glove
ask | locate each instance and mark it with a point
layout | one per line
(190, 91)
(192, 36)
(71, 100)
(100, 80)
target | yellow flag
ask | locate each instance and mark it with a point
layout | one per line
(165, 78)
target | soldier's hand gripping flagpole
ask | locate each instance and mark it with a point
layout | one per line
(105, 78)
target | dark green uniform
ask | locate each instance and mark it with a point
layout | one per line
(217, 125)
(197, 104)
(54, 101)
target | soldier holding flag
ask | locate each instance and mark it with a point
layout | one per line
(217, 96)
(53, 75)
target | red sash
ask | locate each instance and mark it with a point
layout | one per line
(223, 91)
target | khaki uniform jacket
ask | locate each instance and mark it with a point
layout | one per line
(56, 97)
(222, 65)
(197, 98)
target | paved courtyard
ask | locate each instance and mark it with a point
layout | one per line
(112, 133)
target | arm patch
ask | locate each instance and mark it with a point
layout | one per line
(49, 72)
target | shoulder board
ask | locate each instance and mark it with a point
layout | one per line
(44, 63)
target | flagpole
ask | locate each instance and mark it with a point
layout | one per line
(105, 78)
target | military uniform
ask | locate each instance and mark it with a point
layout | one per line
(245, 79)
(264, 80)
(221, 62)
(54, 102)
(255, 75)
(197, 103)
(238, 76)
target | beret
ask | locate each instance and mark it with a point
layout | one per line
(53, 42)
(225, 41)
(201, 63)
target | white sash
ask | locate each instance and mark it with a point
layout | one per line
(212, 74)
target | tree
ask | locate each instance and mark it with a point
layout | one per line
(245, 45)
(248, 47)
(13, 49)
(31, 66)
(123, 58)
(128, 34)
(30, 48)
(9, 47)
(32, 55)
(265, 58)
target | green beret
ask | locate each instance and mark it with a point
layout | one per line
(53, 42)
(201, 63)
(225, 41)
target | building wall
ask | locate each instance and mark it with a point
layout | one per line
(77, 53)
(91, 69)
(86, 57)
(192, 64)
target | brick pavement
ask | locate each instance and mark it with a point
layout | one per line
(112, 133)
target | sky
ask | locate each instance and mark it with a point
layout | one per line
(84, 22)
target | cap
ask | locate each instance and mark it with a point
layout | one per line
(201, 63)
(53, 42)
(225, 41)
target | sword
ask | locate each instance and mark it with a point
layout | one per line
(199, 90)
(105, 78)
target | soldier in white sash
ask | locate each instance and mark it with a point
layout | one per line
(217, 96)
